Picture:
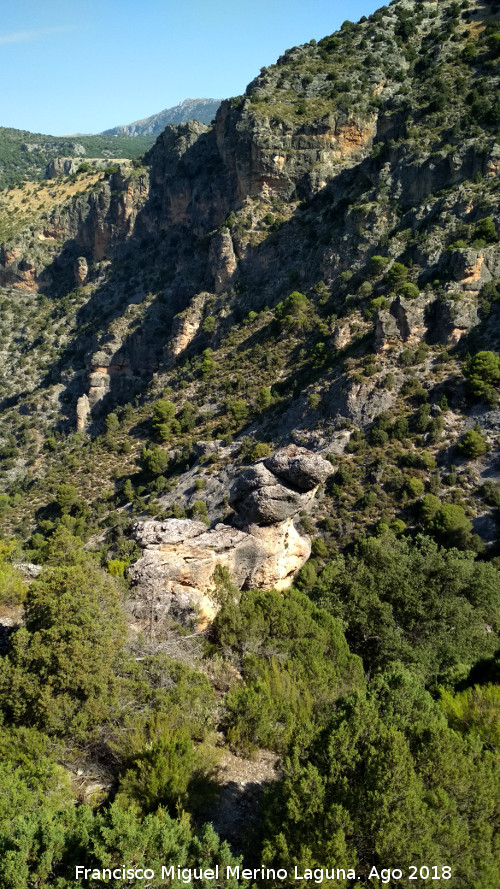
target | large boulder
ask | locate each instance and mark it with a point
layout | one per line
(278, 488)
(299, 467)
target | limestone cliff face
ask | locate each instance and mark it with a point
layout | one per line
(262, 549)
(98, 221)
(269, 158)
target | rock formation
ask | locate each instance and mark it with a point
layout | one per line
(263, 549)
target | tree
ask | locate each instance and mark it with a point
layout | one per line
(264, 398)
(413, 602)
(474, 444)
(483, 374)
(66, 497)
(163, 412)
(12, 588)
(155, 460)
(485, 230)
(397, 275)
(377, 265)
(295, 312)
(239, 410)
(59, 674)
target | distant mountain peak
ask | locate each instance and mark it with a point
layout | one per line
(203, 110)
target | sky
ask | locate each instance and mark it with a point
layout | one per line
(82, 66)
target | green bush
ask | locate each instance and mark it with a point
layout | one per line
(409, 291)
(473, 444)
(410, 601)
(485, 230)
(295, 662)
(377, 265)
(59, 674)
(397, 275)
(239, 410)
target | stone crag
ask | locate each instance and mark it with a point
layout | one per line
(262, 549)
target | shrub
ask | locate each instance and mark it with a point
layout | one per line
(260, 450)
(473, 444)
(378, 437)
(409, 291)
(239, 410)
(63, 658)
(379, 303)
(397, 275)
(377, 265)
(414, 487)
(264, 398)
(155, 460)
(199, 510)
(295, 312)
(208, 325)
(485, 230)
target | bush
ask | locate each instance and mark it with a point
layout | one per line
(208, 324)
(260, 450)
(264, 398)
(409, 291)
(414, 487)
(378, 437)
(295, 313)
(397, 275)
(239, 410)
(473, 444)
(485, 230)
(377, 265)
(63, 659)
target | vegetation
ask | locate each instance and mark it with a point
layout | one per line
(359, 319)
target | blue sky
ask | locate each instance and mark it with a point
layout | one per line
(69, 66)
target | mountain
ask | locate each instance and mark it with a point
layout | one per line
(249, 437)
(203, 110)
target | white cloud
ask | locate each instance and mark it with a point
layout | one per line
(35, 34)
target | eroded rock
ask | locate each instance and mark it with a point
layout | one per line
(175, 576)
(299, 467)
(262, 549)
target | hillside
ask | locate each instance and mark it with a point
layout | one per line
(203, 110)
(25, 156)
(249, 419)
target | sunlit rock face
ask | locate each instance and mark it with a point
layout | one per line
(262, 549)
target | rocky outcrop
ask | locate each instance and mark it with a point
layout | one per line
(18, 271)
(80, 270)
(278, 488)
(82, 412)
(454, 318)
(222, 260)
(263, 549)
(404, 321)
(470, 268)
(176, 574)
(186, 324)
